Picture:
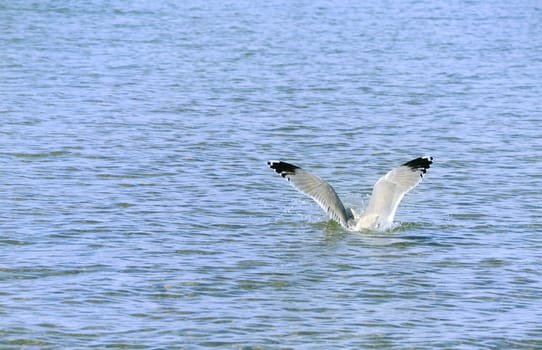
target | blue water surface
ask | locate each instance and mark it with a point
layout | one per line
(138, 211)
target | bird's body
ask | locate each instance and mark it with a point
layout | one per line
(388, 192)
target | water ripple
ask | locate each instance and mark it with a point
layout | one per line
(138, 211)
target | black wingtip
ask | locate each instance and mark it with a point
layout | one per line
(420, 163)
(282, 168)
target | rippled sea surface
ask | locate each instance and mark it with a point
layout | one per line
(137, 210)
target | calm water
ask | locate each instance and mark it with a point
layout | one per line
(138, 212)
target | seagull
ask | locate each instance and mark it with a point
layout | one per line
(388, 192)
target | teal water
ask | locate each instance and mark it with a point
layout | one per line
(138, 211)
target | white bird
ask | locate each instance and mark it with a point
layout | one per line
(388, 192)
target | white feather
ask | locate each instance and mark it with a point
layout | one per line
(388, 192)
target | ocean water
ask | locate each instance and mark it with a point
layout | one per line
(137, 210)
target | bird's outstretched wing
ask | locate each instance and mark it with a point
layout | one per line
(391, 188)
(316, 188)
